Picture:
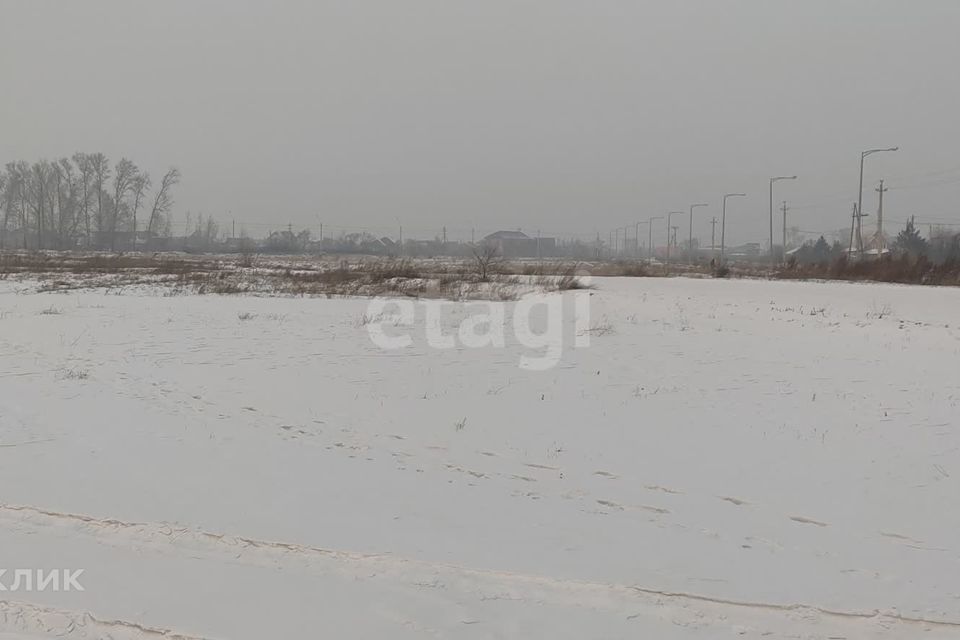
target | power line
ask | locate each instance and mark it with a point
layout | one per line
(919, 185)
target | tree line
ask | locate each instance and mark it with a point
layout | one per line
(943, 246)
(83, 202)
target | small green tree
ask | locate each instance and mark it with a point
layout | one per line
(821, 250)
(910, 242)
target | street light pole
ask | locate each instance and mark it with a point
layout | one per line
(636, 235)
(863, 155)
(650, 239)
(723, 222)
(669, 215)
(690, 239)
(772, 180)
(784, 258)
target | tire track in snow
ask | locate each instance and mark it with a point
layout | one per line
(876, 614)
(571, 591)
(21, 617)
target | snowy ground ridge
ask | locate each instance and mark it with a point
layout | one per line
(503, 584)
(43, 622)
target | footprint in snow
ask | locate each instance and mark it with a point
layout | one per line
(803, 520)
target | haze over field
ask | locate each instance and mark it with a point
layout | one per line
(568, 116)
(337, 318)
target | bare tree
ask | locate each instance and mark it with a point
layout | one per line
(62, 201)
(22, 170)
(124, 175)
(4, 206)
(210, 231)
(163, 200)
(39, 189)
(85, 167)
(486, 255)
(100, 170)
(67, 188)
(139, 188)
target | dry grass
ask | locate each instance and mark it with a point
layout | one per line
(617, 268)
(419, 278)
(601, 328)
(288, 276)
(898, 269)
(72, 374)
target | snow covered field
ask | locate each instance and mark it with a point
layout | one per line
(727, 459)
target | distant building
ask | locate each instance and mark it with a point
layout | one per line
(517, 244)
(749, 250)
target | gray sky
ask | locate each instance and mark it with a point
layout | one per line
(572, 116)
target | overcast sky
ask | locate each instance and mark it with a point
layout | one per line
(571, 116)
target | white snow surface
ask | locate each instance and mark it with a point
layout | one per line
(727, 459)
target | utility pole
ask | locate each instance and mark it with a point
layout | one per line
(881, 240)
(690, 239)
(637, 235)
(650, 238)
(860, 216)
(859, 212)
(859, 232)
(723, 222)
(772, 180)
(713, 237)
(233, 234)
(853, 225)
(771, 219)
(784, 231)
(670, 214)
(444, 236)
(668, 237)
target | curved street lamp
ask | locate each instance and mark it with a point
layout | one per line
(723, 221)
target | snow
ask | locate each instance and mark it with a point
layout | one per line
(726, 459)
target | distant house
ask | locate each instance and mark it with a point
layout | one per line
(749, 250)
(877, 245)
(517, 244)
